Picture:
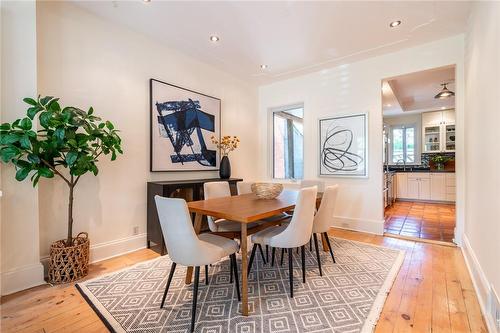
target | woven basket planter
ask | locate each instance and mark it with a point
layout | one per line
(266, 190)
(71, 263)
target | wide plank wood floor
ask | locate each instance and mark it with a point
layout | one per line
(433, 292)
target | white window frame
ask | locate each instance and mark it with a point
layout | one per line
(418, 151)
(270, 159)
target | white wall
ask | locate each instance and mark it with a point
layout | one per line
(354, 88)
(87, 61)
(20, 265)
(482, 74)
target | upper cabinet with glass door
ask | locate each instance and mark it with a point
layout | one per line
(438, 131)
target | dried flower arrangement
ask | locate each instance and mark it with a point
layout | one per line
(226, 144)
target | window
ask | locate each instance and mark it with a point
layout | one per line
(288, 143)
(403, 144)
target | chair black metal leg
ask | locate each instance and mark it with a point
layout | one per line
(170, 275)
(303, 252)
(195, 295)
(329, 247)
(236, 277)
(297, 250)
(282, 255)
(317, 254)
(311, 244)
(230, 271)
(273, 253)
(206, 275)
(262, 253)
(252, 256)
(267, 252)
(290, 270)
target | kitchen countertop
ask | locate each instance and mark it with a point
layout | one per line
(408, 169)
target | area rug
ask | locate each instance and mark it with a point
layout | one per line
(347, 298)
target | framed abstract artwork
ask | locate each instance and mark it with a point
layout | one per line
(343, 147)
(182, 124)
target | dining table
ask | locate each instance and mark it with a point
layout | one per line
(243, 209)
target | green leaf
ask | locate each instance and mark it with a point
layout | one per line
(25, 142)
(45, 100)
(45, 172)
(5, 127)
(113, 155)
(54, 106)
(30, 101)
(44, 118)
(8, 153)
(9, 139)
(35, 179)
(33, 158)
(59, 133)
(101, 125)
(22, 173)
(25, 124)
(33, 111)
(71, 157)
(91, 111)
(109, 125)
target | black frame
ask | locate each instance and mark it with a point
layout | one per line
(151, 124)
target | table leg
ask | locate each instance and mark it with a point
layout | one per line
(325, 244)
(197, 228)
(244, 270)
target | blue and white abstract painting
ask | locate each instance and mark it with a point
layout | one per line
(182, 123)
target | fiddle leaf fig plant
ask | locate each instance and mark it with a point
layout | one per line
(68, 138)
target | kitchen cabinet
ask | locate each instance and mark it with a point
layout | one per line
(401, 185)
(426, 186)
(438, 187)
(438, 131)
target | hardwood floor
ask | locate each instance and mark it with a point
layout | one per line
(421, 220)
(432, 292)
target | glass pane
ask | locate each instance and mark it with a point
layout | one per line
(288, 149)
(397, 145)
(410, 145)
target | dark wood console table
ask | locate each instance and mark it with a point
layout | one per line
(190, 190)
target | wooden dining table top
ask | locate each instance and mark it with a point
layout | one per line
(246, 208)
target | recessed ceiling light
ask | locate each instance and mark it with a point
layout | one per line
(263, 66)
(443, 108)
(214, 38)
(146, 0)
(394, 24)
(389, 105)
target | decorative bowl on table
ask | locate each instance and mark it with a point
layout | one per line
(267, 190)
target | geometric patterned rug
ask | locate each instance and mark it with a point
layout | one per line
(347, 298)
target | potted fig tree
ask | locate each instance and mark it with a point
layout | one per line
(68, 144)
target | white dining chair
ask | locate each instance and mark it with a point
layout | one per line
(244, 187)
(188, 249)
(323, 220)
(309, 183)
(296, 234)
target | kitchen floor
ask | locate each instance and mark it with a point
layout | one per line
(421, 220)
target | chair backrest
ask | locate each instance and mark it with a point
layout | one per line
(309, 183)
(299, 230)
(323, 219)
(177, 228)
(244, 187)
(214, 190)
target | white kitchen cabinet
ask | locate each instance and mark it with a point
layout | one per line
(426, 186)
(401, 185)
(438, 187)
(438, 131)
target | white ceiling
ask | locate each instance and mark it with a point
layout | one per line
(414, 93)
(290, 37)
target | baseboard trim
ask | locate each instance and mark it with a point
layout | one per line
(479, 281)
(111, 249)
(364, 225)
(22, 278)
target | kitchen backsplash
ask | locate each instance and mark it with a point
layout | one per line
(426, 157)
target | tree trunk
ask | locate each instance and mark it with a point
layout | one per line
(69, 240)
